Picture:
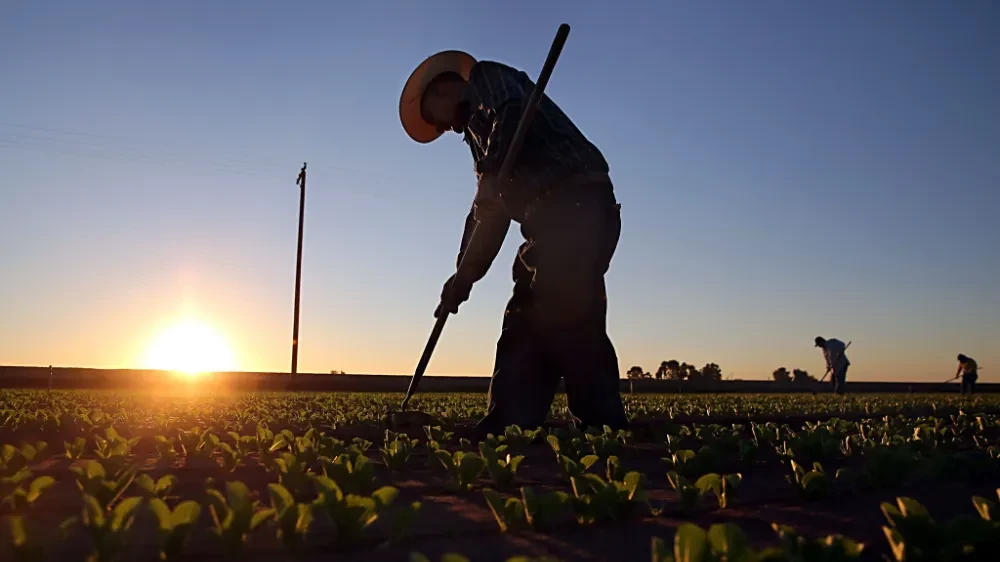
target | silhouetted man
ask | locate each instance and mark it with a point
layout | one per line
(559, 191)
(836, 361)
(968, 369)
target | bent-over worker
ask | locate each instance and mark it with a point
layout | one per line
(560, 193)
(968, 369)
(836, 361)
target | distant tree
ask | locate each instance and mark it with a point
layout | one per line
(337, 372)
(636, 372)
(711, 372)
(781, 375)
(802, 376)
(661, 373)
(674, 370)
(690, 372)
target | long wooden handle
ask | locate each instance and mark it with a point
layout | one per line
(505, 168)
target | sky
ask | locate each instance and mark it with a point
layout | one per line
(785, 170)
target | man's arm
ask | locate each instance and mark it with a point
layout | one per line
(490, 230)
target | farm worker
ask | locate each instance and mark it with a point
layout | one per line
(836, 361)
(554, 324)
(968, 369)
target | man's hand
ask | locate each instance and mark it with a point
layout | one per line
(456, 291)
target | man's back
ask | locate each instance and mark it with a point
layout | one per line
(553, 147)
(834, 351)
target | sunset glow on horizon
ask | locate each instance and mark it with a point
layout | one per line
(190, 346)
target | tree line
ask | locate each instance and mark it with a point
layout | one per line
(677, 371)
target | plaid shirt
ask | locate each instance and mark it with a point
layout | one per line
(553, 149)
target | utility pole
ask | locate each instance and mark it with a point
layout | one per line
(301, 182)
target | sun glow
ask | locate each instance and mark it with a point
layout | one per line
(190, 347)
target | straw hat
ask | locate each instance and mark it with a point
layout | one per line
(409, 101)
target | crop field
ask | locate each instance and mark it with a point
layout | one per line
(102, 475)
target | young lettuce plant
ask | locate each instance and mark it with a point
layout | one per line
(107, 531)
(501, 470)
(812, 485)
(396, 449)
(158, 489)
(688, 492)
(75, 449)
(93, 480)
(174, 526)
(597, 501)
(725, 487)
(293, 518)
(235, 515)
(542, 510)
(353, 474)
(351, 514)
(23, 498)
(833, 548)
(464, 468)
(722, 541)
(509, 513)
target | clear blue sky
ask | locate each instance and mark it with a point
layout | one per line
(785, 170)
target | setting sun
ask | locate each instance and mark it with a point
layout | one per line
(190, 347)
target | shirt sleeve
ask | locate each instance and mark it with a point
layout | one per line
(480, 250)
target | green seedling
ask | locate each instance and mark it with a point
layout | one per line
(509, 513)
(174, 526)
(292, 472)
(165, 447)
(235, 515)
(107, 531)
(722, 542)
(501, 470)
(687, 491)
(353, 474)
(812, 484)
(75, 449)
(833, 548)
(597, 501)
(576, 469)
(725, 487)
(517, 438)
(23, 498)
(93, 480)
(437, 436)
(614, 470)
(293, 519)
(396, 450)
(351, 514)
(542, 510)
(567, 445)
(464, 468)
(158, 489)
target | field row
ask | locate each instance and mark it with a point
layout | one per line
(120, 486)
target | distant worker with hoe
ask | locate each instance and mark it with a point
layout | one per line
(559, 190)
(969, 371)
(836, 361)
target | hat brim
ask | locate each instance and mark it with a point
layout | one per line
(413, 91)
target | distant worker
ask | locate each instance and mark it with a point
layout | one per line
(969, 371)
(836, 361)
